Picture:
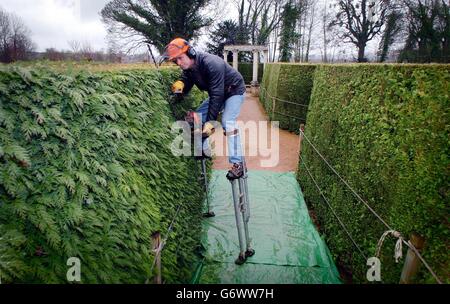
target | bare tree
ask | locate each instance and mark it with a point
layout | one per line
(390, 32)
(312, 13)
(270, 19)
(304, 28)
(273, 39)
(258, 18)
(53, 54)
(86, 51)
(74, 45)
(298, 45)
(5, 35)
(114, 56)
(330, 42)
(21, 39)
(15, 39)
(360, 21)
(83, 50)
(325, 21)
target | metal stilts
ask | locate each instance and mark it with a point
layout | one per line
(245, 210)
(195, 124)
(242, 207)
(237, 209)
(204, 173)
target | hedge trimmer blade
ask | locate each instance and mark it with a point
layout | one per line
(161, 59)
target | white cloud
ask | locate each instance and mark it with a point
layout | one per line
(55, 22)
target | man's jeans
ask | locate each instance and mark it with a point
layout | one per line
(231, 109)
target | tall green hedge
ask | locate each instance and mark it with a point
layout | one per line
(86, 171)
(385, 128)
(269, 86)
(292, 83)
(246, 69)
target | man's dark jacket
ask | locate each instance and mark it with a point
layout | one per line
(212, 74)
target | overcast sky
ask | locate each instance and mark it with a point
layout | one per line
(55, 22)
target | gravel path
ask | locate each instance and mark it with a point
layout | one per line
(252, 112)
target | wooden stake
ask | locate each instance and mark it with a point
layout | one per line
(273, 107)
(156, 241)
(412, 262)
(302, 129)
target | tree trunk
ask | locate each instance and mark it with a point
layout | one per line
(361, 51)
(324, 20)
(275, 45)
(310, 33)
(298, 42)
(303, 30)
(324, 58)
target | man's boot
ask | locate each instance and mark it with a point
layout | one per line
(236, 171)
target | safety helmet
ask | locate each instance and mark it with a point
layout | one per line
(177, 47)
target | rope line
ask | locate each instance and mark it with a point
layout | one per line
(295, 117)
(332, 210)
(398, 252)
(282, 100)
(158, 250)
(346, 183)
(289, 102)
(390, 230)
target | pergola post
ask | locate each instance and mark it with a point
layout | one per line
(255, 67)
(255, 73)
(266, 56)
(235, 59)
(225, 56)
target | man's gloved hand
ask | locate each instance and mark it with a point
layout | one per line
(176, 98)
(208, 129)
(178, 87)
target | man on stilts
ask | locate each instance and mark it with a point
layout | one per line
(226, 89)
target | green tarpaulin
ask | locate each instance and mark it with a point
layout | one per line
(288, 247)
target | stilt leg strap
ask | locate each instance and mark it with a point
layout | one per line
(231, 133)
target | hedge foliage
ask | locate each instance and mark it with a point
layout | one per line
(385, 128)
(86, 171)
(246, 70)
(292, 83)
(269, 85)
